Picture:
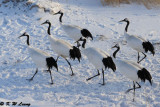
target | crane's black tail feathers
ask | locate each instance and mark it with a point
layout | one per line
(144, 75)
(51, 62)
(85, 33)
(148, 47)
(108, 63)
(75, 53)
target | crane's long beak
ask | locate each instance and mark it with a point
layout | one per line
(57, 13)
(20, 36)
(114, 46)
(24, 34)
(121, 21)
(43, 23)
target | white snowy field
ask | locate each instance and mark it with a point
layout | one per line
(75, 90)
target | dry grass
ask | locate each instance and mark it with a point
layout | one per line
(147, 3)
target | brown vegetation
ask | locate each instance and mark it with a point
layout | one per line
(147, 3)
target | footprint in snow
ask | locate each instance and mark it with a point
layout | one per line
(22, 22)
(2, 38)
(1, 21)
(111, 18)
(6, 22)
(101, 25)
(101, 37)
(112, 24)
(114, 32)
(152, 33)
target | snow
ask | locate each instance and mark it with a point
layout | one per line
(67, 90)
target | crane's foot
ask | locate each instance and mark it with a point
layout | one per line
(72, 74)
(30, 79)
(133, 100)
(102, 84)
(51, 83)
(46, 70)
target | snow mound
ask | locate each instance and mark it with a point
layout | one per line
(46, 5)
(28, 5)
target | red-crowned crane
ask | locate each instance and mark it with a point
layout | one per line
(137, 43)
(75, 32)
(63, 48)
(41, 59)
(100, 59)
(131, 70)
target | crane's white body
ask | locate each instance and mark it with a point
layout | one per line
(134, 42)
(60, 46)
(72, 31)
(128, 69)
(39, 57)
(95, 56)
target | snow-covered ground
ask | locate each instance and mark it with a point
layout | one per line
(75, 91)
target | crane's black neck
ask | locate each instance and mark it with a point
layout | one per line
(60, 18)
(27, 39)
(49, 28)
(126, 29)
(114, 54)
(84, 43)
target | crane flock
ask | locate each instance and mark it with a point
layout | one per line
(99, 58)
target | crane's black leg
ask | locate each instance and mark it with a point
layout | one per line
(143, 57)
(84, 42)
(134, 88)
(94, 75)
(70, 67)
(103, 77)
(138, 58)
(78, 44)
(57, 58)
(33, 75)
(139, 86)
(51, 76)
